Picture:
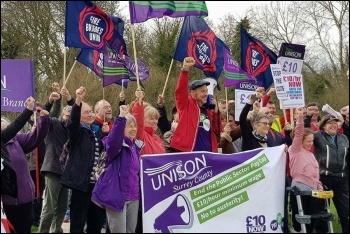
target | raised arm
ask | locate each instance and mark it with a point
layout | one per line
(29, 141)
(115, 137)
(73, 125)
(181, 91)
(16, 126)
(297, 143)
(138, 112)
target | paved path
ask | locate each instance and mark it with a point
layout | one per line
(65, 227)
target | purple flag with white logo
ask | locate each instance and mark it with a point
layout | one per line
(234, 75)
(17, 83)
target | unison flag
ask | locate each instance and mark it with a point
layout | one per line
(88, 26)
(256, 58)
(111, 70)
(234, 75)
(197, 40)
(141, 11)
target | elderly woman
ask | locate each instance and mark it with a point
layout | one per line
(254, 134)
(19, 211)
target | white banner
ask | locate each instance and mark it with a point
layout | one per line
(290, 65)
(241, 98)
(281, 85)
(295, 91)
(204, 192)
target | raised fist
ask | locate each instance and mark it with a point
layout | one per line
(30, 103)
(123, 110)
(188, 62)
(80, 92)
(53, 97)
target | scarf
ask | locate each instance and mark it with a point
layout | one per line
(261, 139)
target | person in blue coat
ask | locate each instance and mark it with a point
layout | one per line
(118, 188)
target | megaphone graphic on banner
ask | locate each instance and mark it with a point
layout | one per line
(211, 87)
(178, 215)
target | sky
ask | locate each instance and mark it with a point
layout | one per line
(217, 9)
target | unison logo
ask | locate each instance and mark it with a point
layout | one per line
(176, 171)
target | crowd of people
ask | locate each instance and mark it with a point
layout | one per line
(316, 149)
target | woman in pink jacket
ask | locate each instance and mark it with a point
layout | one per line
(304, 170)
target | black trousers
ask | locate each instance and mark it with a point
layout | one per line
(20, 216)
(310, 205)
(83, 210)
(340, 188)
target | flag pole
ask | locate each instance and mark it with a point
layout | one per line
(167, 77)
(103, 98)
(70, 72)
(284, 111)
(64, 70)
(135, 56)
(171, 66)
(226, 105)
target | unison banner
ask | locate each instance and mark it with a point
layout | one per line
(209, 192)
(17, 83)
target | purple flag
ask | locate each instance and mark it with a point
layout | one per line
(143, 69)
(141, 11)
(234, 75)
(113, 67)
(17, 83)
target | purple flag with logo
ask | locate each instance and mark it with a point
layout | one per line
(88, 26)
(197, 40)
(256, 58)
(234, 75)
(111, 68)
(17, 83)
(94, 60)
(141, 11)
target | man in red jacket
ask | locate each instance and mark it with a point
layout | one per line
(198, 127)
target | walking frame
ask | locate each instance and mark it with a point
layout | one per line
(304, 219)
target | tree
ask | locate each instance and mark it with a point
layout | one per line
(323, 27)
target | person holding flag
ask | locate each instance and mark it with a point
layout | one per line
(198, 127)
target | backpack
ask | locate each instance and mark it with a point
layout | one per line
(101, 165)
(64, 155)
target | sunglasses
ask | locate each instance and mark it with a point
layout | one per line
(38, 111)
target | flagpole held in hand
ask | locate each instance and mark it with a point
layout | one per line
(70, 72)
(167, 77)
(134, 45)
(64, 69)
(226, 105)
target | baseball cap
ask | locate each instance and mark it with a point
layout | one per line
(197, 83)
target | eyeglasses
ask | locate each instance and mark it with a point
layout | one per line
(265, 123)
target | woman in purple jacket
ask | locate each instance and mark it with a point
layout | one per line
(19, 211)
(118, 188)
